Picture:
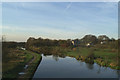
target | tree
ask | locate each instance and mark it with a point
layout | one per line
(89, 39)
(103, 38)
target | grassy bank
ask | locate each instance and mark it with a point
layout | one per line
(103, 57)
(15, 61)
(32, 66)
(107, 57)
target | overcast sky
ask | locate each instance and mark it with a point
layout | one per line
(59, 20)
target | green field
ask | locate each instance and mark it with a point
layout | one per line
(16, 61)
(104, 57)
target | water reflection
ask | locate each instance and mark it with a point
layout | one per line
(98, 71)
(118, 72)
(55, 66)
(56, 57)
(89, 66)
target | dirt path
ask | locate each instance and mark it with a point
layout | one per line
(28, 64)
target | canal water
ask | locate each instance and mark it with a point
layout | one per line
(68, 67)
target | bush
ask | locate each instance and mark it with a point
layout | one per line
(91, 54)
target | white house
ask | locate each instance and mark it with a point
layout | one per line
(73, 42)
(88, 44)
(102, 42)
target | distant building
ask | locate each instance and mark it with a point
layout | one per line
(102, 42)
(89, 44)
(103, 38)
(75, 42)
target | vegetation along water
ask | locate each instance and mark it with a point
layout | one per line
(23, 58)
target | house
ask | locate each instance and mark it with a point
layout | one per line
(89, 44)
(102, 42)
(75, 42)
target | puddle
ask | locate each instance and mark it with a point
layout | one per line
(26, 66)
(21, 73)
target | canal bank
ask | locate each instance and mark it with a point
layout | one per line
(30, 67)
